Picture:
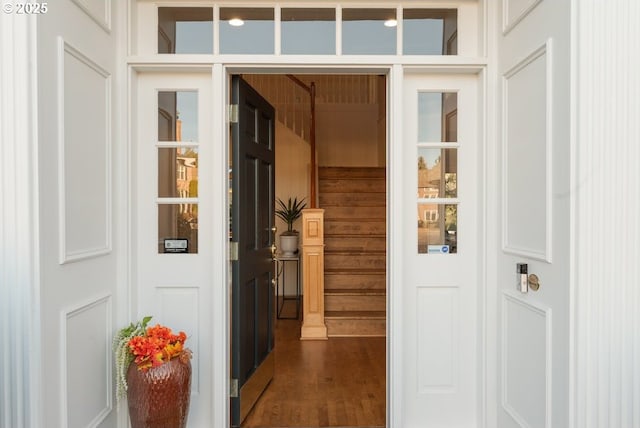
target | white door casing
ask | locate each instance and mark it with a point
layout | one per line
(533, 167)
(142, 56)
(176, 289)
(441, 320)
(19, 230)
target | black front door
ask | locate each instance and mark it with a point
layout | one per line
(253, 176)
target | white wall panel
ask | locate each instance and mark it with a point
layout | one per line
(98, 10)
(514, 11)
(86, 370)
(606, 190)
(526, 356)
(178, 308)
(438, 332)
(76, 90)
(292, 179)
(84, 145)
(527, 157)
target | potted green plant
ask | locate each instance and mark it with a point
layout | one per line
(153, 370)
(289, 213)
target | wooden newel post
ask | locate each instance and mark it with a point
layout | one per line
(313, 326)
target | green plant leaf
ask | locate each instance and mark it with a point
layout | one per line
(290, 211)
(145, 321)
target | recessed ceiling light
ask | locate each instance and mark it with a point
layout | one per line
(390, 23)
(236, 22)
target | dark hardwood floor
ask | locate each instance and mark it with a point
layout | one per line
(335, 383)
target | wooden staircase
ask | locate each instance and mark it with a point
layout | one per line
(354, 200)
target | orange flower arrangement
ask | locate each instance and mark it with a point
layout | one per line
(157, 346)
(147, 347)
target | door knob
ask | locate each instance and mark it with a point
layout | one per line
(534, 282)
(526, 281)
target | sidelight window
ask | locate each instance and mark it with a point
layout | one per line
(437, 164)
(177, 159)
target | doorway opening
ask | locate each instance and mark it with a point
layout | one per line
(341, 381)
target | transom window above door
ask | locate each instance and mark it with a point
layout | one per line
(184, 30)
(306, 30)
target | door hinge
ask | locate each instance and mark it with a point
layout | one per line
(233, 388)
(233, 251)
(233, 113)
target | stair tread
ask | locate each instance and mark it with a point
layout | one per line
(368, 201)
(351, 177)
(349, 272)
(352, 220)
(351, 171)
(352, 186)
(346, 202)
(354, 252)
(355, 292)
(371, 199)
(355, 235)
(361, 271)
(356, 220)
(368, 191)
(355, 315)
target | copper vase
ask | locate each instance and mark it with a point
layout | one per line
(159, 397)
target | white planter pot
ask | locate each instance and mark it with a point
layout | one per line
(288, 244)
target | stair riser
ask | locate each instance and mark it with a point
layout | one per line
(357, 244)
(328, 200)
(349, 261)
(361, 228)
(355, 212)
(356, 282)
(354, 303)
(346, 172)
(356, 328)
(374, 185)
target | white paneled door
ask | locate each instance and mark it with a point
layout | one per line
(533, 213)
(173, 220)
(441, 194)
